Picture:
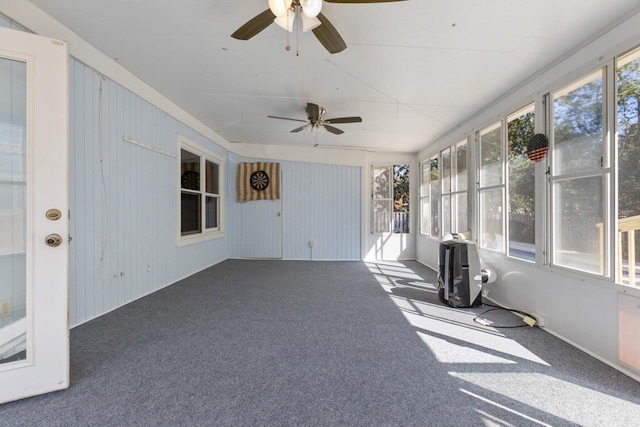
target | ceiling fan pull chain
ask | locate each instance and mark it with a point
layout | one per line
(298, 17)
(288, 46)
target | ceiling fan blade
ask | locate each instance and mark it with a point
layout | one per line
(361, 1)
(313, 111)
(328, 36)
(333, 130)
(287, 118)
(297, 129)
(254, 25)
(344, 120)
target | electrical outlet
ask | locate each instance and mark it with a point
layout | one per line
(312, 243)
(5, 308)
(540, 320)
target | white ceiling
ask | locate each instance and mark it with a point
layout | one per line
(413, 69)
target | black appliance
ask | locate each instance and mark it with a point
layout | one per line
(460, 277)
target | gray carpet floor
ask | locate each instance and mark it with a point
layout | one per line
(287, 343)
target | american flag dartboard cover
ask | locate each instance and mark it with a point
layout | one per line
(258, 181)
(537, 147)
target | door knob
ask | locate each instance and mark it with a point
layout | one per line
(53, 240)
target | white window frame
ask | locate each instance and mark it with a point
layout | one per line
(482, 187)
(616, 255)
(434, 198)
(205, 155)
(391, 199)
(531, 107)
(606, 171)
(454, 191)
(425, 180)
(446, 216)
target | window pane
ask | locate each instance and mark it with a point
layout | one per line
(190, 214)
(491, 157)
(521, 188)
(381, 216)
(434, 197)
(578, 223)
(491, 231)
(213, 180)
(446, 214)
(445, 158)
(424, 187)
(211, 212)
(425, 226)
(400, 198)
(578, 130)
(461, 167)
(462, 217)
(14, 200)
(381, 183)
(628, 170)
(190, 170)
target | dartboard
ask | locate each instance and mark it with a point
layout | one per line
(191, 180)
(259, 180)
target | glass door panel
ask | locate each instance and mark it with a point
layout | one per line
(13, 205)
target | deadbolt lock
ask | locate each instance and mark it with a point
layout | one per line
(53, 214)
(53, 240)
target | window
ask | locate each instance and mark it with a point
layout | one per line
(445, 189)
(401, 199)
(491, 187)
(460, 193)
(521, 189)
(381, 200)
(430, 198)
(453, 171)
(425, 200)
(579, 176)
(200, 183)
(390, 199)
(628, 179)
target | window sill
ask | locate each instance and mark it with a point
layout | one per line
(198, 238)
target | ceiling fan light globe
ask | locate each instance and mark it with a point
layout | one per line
(311, 8)
(309, 24)
(279, 7)
(286, 21)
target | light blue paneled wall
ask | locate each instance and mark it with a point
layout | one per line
(123, 198)
(6, 22)
(320, 202)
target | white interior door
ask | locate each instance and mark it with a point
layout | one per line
(34, 326)
(262, 229)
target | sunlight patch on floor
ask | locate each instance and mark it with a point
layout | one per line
(492, 420)
(448, 352)
(392, 268)
(459, 334)
(581, 404)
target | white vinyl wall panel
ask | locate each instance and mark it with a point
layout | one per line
(123, 198)
(320, 202)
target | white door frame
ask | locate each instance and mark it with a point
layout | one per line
(46, 367)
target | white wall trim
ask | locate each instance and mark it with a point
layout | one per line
(301, 153)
